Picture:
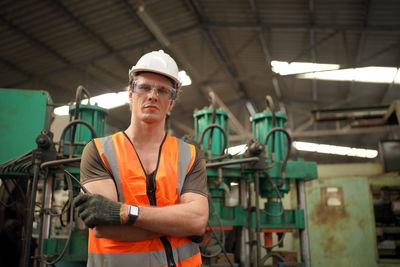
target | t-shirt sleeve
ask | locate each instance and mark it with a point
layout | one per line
(92, 168)
(196, 179)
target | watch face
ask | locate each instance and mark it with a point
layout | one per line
(134, 210)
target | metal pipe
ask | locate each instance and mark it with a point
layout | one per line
(45, 218)
(231, 162)
(244, 248)
(210, 127)
(64, 131)
(304, 238)
(26, 250)
(288, 150)
(59, 162)
(257, 185)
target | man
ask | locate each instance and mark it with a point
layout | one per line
(148, 190)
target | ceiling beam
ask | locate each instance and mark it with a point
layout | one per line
(301, 27)
(267, 54)
(313, 52)
(236, 125)
(90, 32)
(40, 45)
(28, 75)
(162, 38)
(108, 54)
(346, 131)
(360, 45)
(221, 56)
(314, 46)
(32, 39)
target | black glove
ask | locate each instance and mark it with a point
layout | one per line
(97, 210)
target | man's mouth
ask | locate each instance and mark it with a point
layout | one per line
(151, 107)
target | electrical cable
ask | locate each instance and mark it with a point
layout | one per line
(80, 92)
(220, 243)
(213, 119)
(59, 162)
(271, 106)
(272, 254)
(288, 150)
(221, 226)
(26, 249)
(76, 180)
(71, 217)
(62, 137)
(211, 126)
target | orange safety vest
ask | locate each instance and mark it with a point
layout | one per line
(120, 158)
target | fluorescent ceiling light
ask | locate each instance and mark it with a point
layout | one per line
(113, 100)
(366, 74)
(308, 70)
(286, 68)
(335, 150)
(250, 107)
(107, 101)
(237, 150)
(185, 79)
(61, 111)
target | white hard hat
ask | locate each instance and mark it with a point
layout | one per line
(158, 62)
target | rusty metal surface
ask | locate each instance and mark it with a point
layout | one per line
(342, 232)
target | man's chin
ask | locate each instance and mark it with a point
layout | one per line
(151, 118)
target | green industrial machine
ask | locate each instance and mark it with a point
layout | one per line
(37, 183)
(265, 167)
(24, 113)
(36, 189)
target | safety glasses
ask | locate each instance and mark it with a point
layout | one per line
(145, 88)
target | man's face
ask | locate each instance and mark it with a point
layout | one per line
(148, 102)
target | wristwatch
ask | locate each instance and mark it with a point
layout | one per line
(133, 213)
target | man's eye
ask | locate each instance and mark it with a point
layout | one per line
(163, 91)
(144, 87)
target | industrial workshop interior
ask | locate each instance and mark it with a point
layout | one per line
(294, 104)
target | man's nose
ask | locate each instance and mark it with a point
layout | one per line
(153, 94)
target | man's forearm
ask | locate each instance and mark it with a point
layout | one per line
(124, 232)
(181, 220)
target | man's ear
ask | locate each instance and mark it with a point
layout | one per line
(171, 104)
(130, 95)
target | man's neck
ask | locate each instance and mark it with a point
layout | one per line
(145, 134)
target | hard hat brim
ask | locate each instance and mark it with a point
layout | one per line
(177, 84)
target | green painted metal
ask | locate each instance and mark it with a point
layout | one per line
(204, 118)
(341, 236)
(346, 238)
(95, 116)
(77, 250)
(262, 124)
(239, 216)
(23, 115)
(76, 254)
(272, 215)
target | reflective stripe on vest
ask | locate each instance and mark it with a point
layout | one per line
(109, 152)
(183, 163)
(120, 158)
(153, 258)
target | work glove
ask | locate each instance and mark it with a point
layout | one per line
(95, 210)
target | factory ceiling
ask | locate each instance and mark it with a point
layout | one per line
(224, 46)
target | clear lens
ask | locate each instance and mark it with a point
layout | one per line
(162, 91)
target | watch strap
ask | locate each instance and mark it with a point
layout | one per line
(132, 216)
